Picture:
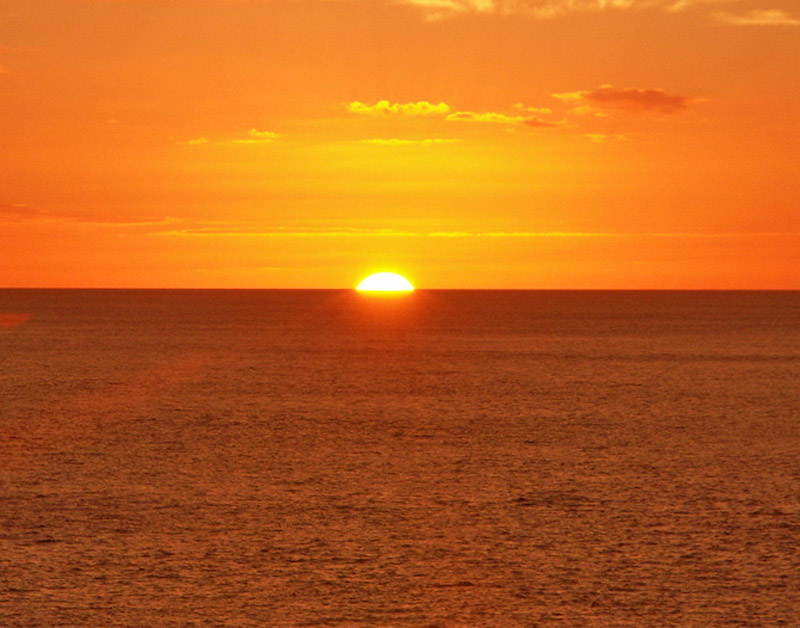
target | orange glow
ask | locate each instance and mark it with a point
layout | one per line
(283, 144)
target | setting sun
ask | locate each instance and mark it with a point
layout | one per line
(385, 282)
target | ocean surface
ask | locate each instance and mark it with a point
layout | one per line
(448, 459)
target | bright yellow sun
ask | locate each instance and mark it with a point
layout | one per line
(385, 282)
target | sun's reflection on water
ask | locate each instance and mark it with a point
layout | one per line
(13, 319)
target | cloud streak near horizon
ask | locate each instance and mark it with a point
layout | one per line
(549, 9)
(222, 230)
(755, 14)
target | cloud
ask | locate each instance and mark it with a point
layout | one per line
(543, 124)
(631, 99)
(602, 138)
(385, 108)
(24, 213)
(439, 9)
(544, 9)
(676, 6)
(768, 17)
(254, 136)
(425, 108)
(548, 9)
(541, 9)
(534, 110)
(398, 142)
(257, 137)
(230, 230)
(492, 117)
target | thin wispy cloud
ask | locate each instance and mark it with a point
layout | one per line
(254, 136)
(539, 123)
(493, 117)
(544, 111)
(677, 6)
(221, 230)
(604, 138)
(551, 9)
(542, 9)
(490, 117)
(23, 212)
(437, 9)
(757, 17)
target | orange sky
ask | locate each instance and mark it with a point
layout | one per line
(463, 143)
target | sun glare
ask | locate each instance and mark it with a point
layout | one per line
(385, 282)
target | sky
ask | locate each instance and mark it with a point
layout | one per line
(542, 144)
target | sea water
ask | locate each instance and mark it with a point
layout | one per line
(443, 459)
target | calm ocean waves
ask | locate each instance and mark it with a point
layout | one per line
(448, 459)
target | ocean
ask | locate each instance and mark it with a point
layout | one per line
(446, 459)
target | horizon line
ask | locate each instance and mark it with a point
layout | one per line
(353, 289)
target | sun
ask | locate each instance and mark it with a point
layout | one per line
(385, 282)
